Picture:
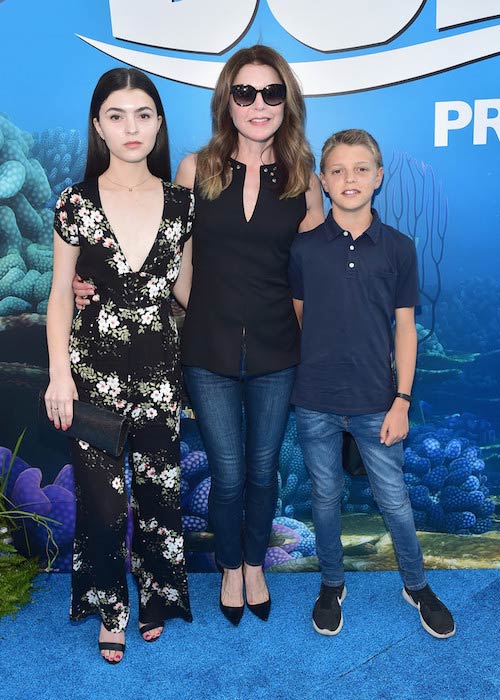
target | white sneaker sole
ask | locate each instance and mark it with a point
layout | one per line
(426, 627)
(332, 633)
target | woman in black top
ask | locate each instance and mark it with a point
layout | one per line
(254, 189)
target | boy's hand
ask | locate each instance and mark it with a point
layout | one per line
(396, 425)
(82, 290)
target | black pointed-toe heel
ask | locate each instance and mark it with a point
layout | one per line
(233, 613)
(260, 610)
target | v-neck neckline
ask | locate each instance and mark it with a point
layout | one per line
(238, 165)
(115, 237)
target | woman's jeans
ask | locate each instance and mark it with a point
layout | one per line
(320, 437)
(243, 466)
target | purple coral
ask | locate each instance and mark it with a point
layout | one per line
(276, 556)
(307, 544)
(198, 500)
(13, 470)
(194, 466)
(193, 523)
(290, 534)
(55, 501)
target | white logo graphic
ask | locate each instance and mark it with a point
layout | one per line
(451, 13)
(327, 25)
(456, 114)
(189, 25)
(335, 24)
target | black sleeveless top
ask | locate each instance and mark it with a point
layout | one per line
(240, 291)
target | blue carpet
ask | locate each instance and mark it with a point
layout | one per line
(382, 651)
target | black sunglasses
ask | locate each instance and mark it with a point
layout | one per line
(273, 95)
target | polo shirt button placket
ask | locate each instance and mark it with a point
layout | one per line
(350, 263)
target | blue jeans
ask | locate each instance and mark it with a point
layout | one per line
(244, 476)
(320, 437)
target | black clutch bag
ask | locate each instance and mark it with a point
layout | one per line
(99, 427)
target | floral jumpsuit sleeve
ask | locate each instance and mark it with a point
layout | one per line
(124, 357)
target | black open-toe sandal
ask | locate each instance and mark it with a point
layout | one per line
(112, 646)
(147, 627)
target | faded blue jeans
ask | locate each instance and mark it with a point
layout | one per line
(243, 476)
(320, 437)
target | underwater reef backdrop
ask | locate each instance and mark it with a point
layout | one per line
(452, 459)
(444, 469)
(34, 169)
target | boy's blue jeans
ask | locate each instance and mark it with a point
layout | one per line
(320, 437)
(244, 476)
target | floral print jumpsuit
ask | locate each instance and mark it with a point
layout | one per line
(124, 357)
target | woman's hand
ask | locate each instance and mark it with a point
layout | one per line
(59, 399)
(82, 291)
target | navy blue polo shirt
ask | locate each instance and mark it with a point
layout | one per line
(350, 290)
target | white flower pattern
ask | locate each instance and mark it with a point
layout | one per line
(124, 356)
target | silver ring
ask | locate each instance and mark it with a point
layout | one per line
(55, 409)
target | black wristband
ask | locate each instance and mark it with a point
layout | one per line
(406, 397)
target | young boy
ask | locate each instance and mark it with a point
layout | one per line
(349, 278)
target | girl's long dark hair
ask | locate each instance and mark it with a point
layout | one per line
(97, 151)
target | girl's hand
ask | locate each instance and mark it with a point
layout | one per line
(59, 399)
(82, 290)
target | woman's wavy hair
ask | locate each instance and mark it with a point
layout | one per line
(97, 151)
(291, 149)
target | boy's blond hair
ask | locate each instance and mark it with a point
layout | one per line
(351, 137)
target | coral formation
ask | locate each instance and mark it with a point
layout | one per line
(295, 485)
(443, 469)
(445, 475)
(26, 223)
(55, 501)
(469, 316)
(412, 200)
(305, 545)
(62, 155)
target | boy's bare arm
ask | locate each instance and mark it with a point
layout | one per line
(396, 425)
(298, 306)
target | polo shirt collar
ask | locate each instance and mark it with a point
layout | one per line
(333, 230)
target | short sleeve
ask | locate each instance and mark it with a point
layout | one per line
(295, 270)
(407, 291)
(190, 218)
(64, 219)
